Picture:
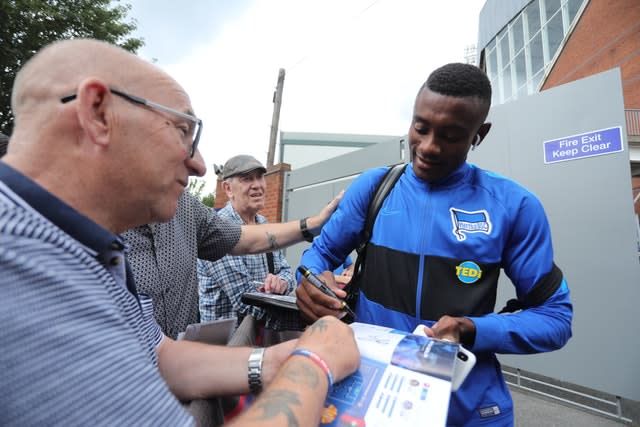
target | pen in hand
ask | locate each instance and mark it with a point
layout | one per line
(315, 281)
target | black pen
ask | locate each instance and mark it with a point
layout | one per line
(315, 281)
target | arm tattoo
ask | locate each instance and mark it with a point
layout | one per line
(273, 244)
(276, 402)
(302, 373)
(319, 326)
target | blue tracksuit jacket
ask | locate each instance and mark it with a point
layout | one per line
(438, 249)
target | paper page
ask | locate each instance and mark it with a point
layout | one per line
(376, 342)
(381, 395)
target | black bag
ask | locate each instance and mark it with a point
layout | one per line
(386, 184)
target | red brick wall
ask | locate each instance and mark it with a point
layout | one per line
(273, 203)
(606, 36)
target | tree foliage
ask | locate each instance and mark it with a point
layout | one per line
(28, 25)
(196, 187)
(209, 199)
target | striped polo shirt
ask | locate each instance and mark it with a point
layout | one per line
(78, 347)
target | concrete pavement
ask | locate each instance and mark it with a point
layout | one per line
(532, 410)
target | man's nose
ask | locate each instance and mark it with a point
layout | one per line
(427, 144)
(196, 164)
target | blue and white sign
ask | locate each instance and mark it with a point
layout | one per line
(596, 143)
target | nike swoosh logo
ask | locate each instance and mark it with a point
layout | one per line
(389, 212)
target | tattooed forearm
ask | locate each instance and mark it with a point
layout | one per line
(273, 244)
(302, 373)
(277, 402)
(319, 326)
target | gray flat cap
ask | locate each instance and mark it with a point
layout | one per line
(239, 165)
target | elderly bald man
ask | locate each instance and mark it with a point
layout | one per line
(89, 158)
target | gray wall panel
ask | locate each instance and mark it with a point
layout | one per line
(349, 164)
(308, 189)
(588, 202)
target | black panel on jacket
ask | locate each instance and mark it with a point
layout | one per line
(444, 292)
(390, 279)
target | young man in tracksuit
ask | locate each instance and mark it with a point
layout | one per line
(438, 243)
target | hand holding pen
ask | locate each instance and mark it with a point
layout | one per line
(322, 286)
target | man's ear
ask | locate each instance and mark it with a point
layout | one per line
(226, 186)
(94, 103)
(484, 130)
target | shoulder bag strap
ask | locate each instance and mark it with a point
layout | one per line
(382, 190)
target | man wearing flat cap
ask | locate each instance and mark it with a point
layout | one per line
(222, 283)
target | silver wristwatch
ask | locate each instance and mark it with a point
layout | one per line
(255, 370)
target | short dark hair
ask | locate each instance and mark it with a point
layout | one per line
(460, 80)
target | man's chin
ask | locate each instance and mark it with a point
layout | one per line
(165, 213)
(427, 174)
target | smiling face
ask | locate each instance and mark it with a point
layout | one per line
(160, 142)
(442, 131)
(247, 193)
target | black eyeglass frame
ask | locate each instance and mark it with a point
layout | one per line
(154, 105)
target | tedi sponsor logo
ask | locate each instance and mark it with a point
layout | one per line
(468, 272)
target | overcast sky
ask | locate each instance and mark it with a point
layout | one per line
(352, 66)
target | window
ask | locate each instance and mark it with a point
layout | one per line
(517, 35)
(503, 46)
(572, 7)
(551, 7)
(555, 34)
(492, 65)
(519, 66)
(537, 58)
(506, 83)
(535, 80)
(532, 13)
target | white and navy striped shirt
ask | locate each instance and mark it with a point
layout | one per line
(76, 347)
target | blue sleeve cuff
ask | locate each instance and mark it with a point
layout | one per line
(489, 333)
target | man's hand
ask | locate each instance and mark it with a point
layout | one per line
(273, 285)
(295, 395)
(456, 329)
(334, 342)
(341, 280)
(313, 303)
(344, 278)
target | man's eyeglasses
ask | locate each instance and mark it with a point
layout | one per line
(193, 132)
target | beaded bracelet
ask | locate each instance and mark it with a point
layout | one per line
(318, 361)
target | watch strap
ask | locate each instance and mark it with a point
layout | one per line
(254, 370)
(305, 231)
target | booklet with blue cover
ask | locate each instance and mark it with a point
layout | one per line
(403, 380)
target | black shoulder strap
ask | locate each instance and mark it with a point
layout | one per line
(382, 190)
(539, 294)
(272, 269)
(386, 184)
